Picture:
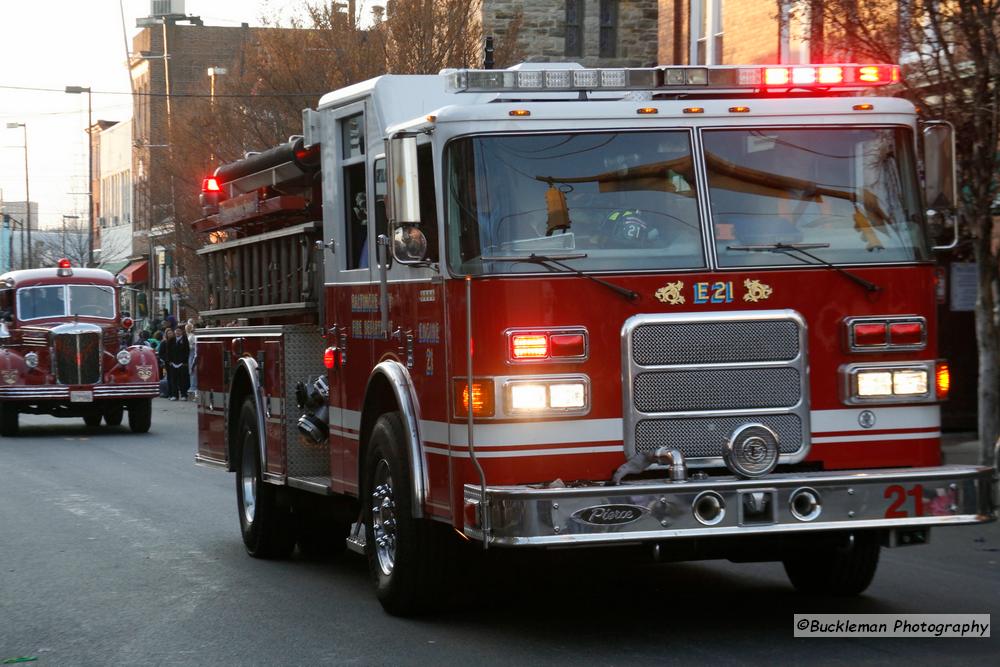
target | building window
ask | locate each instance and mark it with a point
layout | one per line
(706, 32)
(574, 27)
(609, 29)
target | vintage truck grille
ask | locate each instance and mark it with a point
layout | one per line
(693, 379)
(77, 354)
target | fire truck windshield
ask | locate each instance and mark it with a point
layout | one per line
(608, 200)
(47, 301)
(850, 194)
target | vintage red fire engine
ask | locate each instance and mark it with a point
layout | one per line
(62, 351)
(696, 305)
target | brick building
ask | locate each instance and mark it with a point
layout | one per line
(609, 33)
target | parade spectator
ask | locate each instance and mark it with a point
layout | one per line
(192, 359)
(165, 352)
(178, 358)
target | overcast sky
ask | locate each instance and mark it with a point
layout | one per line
(59, 43)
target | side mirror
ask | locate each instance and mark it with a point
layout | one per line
(409, 244)
(403, 181)
(940, 177)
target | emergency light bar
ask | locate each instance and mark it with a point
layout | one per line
(761, 78)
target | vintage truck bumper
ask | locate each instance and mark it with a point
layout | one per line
(652, 511)
(78, 394)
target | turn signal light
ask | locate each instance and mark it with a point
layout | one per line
(482, 398)
(942, 380)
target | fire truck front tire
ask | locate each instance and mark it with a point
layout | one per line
(408, 558)
(140, 415)
(92, 420)
(268, 529)
(842, 571)
(113, 416)
(8, 420)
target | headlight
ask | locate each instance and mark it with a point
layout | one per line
(31, 360)
(560, 395)
(124, 357)
(889, 383)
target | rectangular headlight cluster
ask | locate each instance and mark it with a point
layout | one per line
(890, 383)
(547, 396)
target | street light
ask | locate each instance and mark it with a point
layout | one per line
(77, 90)
(27, 196)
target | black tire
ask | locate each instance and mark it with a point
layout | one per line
(113, 416)
(8, 420)
(268, 529)
(842, 571)
(92, 421)
(408, 559)
(140, 415)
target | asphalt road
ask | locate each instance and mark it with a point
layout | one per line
(116, 549)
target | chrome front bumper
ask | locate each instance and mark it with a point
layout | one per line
(648, 511)
(58, 392)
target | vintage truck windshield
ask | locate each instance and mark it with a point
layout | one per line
(34, 303)
(616, 201)
(849, 193)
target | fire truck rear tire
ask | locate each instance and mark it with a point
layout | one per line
(92, 420)
(140, 415)
(8, 420)
(841, 571)
(113, 416)
(268, 528)
(408, 558)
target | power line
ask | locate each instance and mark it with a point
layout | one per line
(137, 94)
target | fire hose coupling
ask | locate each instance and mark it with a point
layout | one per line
(314, 400)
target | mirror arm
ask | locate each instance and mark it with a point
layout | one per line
(954, 237)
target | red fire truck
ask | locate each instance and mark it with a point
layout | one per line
(64, 352)
(551, 306)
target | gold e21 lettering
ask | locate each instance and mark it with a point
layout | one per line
(720, 292)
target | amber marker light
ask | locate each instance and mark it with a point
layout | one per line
(519, 112)
(647, 110)
(694, 110)
(942, 380)
(864, 107)
(482, 398)
(739, 109)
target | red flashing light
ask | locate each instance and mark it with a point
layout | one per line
(869, 334)
(529, 346)
(906, 333)
(330, 357)
(568, 345)
(127, 323)
(65, 264)
(776, 76)
(211, 184)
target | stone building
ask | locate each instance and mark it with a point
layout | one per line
(606, 33)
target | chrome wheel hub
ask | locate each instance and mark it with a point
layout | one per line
(384, 518)
(248, 478)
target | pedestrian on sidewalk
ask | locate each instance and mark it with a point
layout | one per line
(192, 360)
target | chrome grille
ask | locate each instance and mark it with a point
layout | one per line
(717, 389)
(78, 357)
(692, 379)
(713, 342)
(704, 437)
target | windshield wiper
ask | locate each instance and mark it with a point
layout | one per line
(546, 260)
(803, 249)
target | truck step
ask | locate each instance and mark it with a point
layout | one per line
(356, 540)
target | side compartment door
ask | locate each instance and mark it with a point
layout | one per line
(212, 392)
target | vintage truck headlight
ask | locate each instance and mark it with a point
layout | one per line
(547, 395)
(123, 357)
(31, 360)
(910, 382)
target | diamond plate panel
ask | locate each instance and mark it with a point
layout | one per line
(717, 389)
(715, 342)
(303, 360)
(705, 437)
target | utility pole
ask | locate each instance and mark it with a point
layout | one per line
(27, 194)
(76, 90)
